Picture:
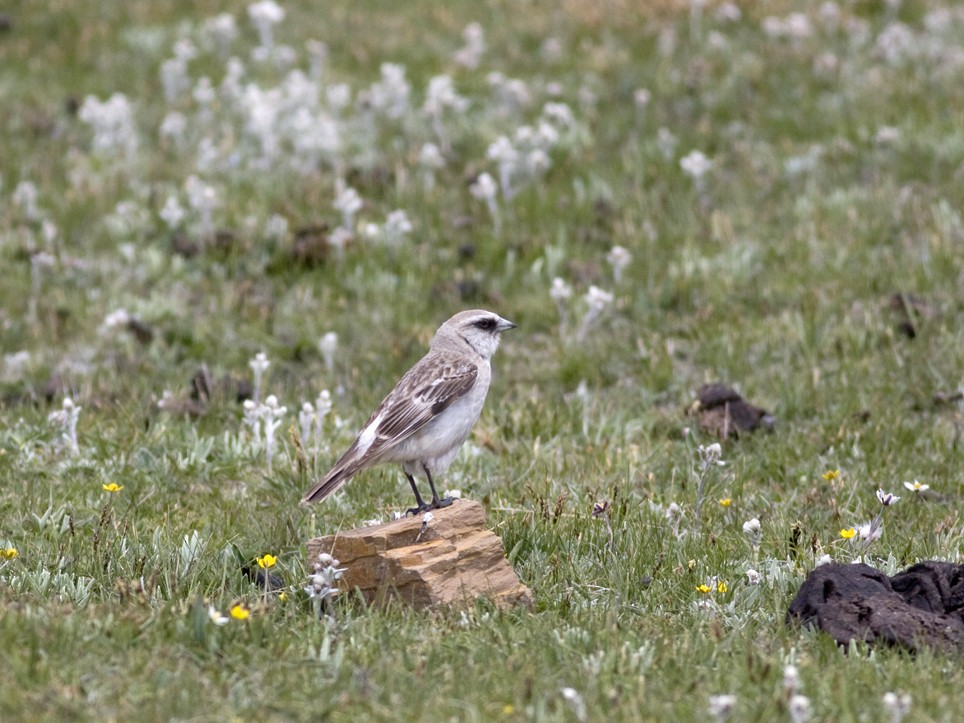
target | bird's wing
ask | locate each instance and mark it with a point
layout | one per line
(426, 390)
(419, 397)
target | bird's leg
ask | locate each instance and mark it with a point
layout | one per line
(436, 502)
(421, 506)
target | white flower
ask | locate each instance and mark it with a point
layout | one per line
(598, 299)
(371, 231)
(49, 230)
(116, 318)
(173, 213)
(306, 418)
(222, 29)
(619, 258)
(275, 411)
(886, 498)
(259, 364)
(501, 150)
(276, 227)
(897, 705)
(560, 291)
(711, 454)
(441, 95)
(575, 701)
(328, 346)
(25, 197)
(397, 226)
(112, 122)
(791, 678)
(753, 577)
(728, 12)
(559, 114)
(695, 164)
(266, 11)
(916, 486)
(66, 418)
(390, 94)
(348, 203)
(338, 96)
(484, 187)
(431, 157)
(870, 531)
(173, 126)
(427, 517)
(16, 364)
(202, 198)
(886, 135)
(799, 708)
(323, 403)
(470, 55)
(454, 494)
(339, 238)
(751, 527)
(216, 617)
(721, 706)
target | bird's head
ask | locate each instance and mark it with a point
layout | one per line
(478, 328)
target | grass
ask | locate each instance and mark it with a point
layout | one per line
(773, 272)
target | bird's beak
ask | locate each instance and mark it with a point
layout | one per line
(505, 325)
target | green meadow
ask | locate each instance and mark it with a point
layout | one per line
(660, 194)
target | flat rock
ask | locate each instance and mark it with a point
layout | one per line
(452, 560)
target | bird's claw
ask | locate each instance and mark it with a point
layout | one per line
(428, 506)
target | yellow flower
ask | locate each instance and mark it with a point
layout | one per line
(508, 709)
(283, 596)
(267, 561)
(112, 487)
(704, 589)
(848, 533)
(239, 612)
(831, 474)
(721, 586)
(9, 553)
(726, 501)
(691, 564)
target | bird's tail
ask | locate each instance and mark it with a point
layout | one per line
(329, 484)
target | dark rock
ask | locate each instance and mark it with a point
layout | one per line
(310, 247)
(942, 398)
(263, 578)
(922, 607)
(141, 331)
(724, 413)
(910, 311)
(201, 384)
(184, 246)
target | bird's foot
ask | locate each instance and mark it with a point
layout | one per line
(435, 504)
(444, 502)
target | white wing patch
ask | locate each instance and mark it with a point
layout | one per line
(367, 436)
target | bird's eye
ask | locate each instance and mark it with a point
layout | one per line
(487, 324)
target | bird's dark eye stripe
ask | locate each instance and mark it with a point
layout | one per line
(486, 323)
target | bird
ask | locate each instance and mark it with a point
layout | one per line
(426, 418)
